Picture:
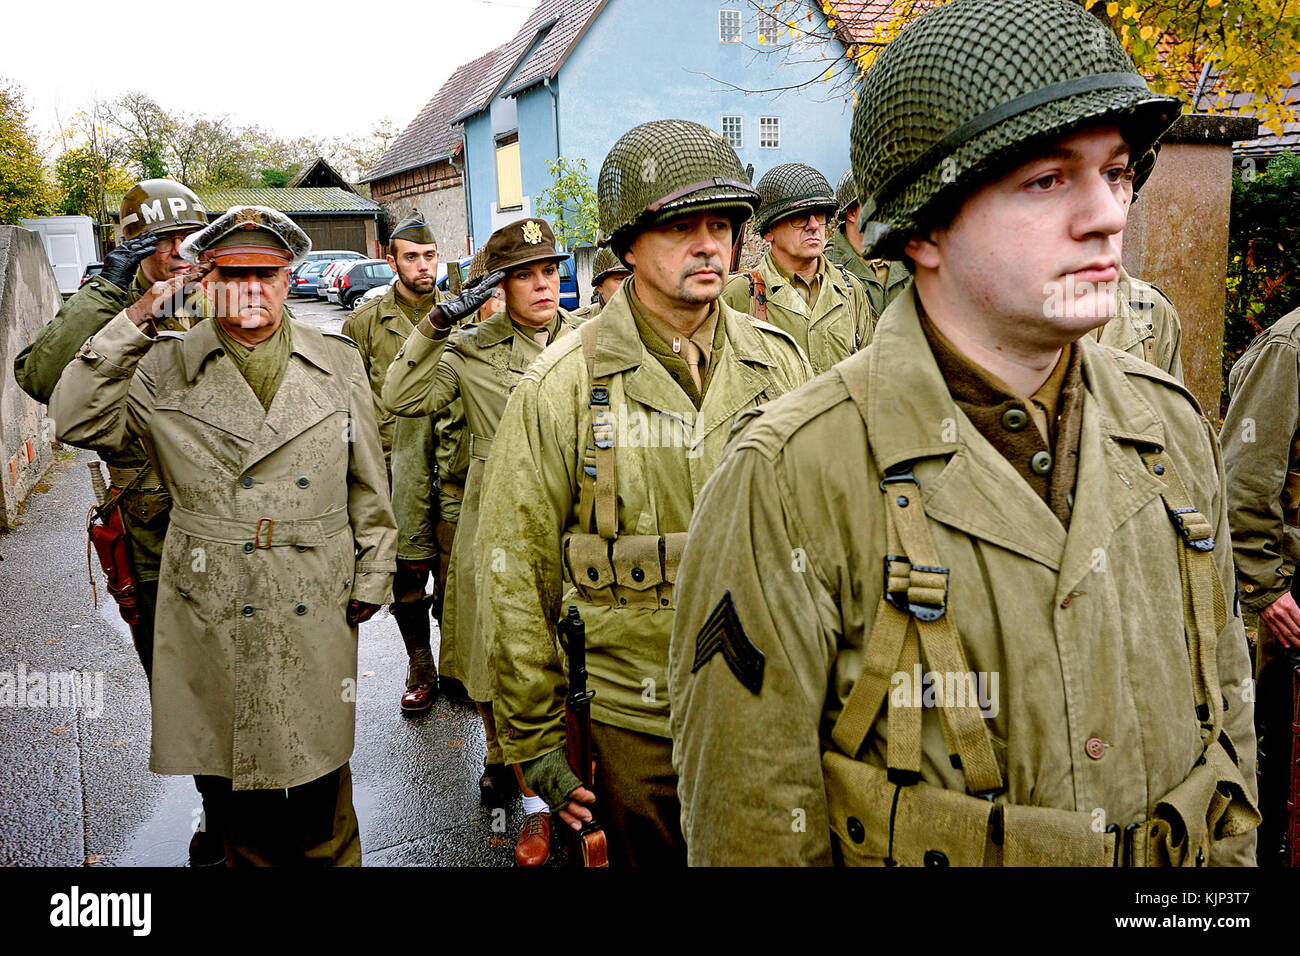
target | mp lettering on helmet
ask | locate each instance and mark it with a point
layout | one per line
(152, 211)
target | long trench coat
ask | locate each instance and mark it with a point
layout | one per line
(280, 517)
(480, 364)
(1094, 709)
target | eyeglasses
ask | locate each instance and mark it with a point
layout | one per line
(800, 220)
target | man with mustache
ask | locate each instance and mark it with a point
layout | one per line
(984, 491)
(796, 287)
(281, 538)
(593, 478)
(480, 365)
(146, 274)
(379, 328)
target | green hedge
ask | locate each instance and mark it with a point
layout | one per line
(1263, 253)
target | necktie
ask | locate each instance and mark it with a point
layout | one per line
(694, 360)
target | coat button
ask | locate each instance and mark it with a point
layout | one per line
(1158, 468)
(248, 610)
(304, 481)
(1094, 748)
(301, 609)
(856, 832)
(1041, 463)
(248, 547)
(301, 548)
(247, 481)
(593, 574)
(934, 858)
(1015, 419)
(638, 575)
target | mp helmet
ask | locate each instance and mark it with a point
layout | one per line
(159, 205)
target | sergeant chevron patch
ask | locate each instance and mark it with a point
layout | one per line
(723, 632)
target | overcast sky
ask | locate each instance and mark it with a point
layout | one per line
(323, 68)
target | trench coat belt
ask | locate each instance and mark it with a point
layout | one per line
(267, 531)
(452, 489)
(479, 446)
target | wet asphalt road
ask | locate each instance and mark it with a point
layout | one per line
(75, 785)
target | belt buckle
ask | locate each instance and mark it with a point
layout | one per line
(257, 537)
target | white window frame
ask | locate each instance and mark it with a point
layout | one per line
(739, 27)
(739, 131)
(767, 126)
(765, 22)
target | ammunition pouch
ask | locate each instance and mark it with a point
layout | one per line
(139, 492)
(631, 570)
(881, 823)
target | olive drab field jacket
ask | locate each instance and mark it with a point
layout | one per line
(279, 518)
(831, 329)
(1261, 452)
(1078, 691)
(1146, 325)
(480, 364)
(538, 548)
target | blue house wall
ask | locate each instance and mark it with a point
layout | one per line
(640, 61)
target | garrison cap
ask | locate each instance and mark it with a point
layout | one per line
(520, 243)
(248, 236)
(606, 264)
(973, 85)
(414, 229)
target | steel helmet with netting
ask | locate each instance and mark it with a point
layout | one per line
(788, 189)
(662, 169)
(971, 86)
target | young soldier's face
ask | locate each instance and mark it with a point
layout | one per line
(533, 293)
(1034, 255)
(609, 285)
(685, 259)
(416, 265)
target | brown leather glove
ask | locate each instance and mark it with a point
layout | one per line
(359, 611)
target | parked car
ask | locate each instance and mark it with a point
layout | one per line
(92, 269)
(568, 282)
(373, 293)
(358, 277)
(304, 279)
(328, 277)
(333, 254)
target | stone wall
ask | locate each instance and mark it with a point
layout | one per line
(29, 297)
(436, 190)
(1177, 239)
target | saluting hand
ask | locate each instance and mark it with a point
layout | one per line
(166, 298)
(468, 302)
(121, 262)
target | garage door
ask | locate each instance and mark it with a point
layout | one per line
(341, 233)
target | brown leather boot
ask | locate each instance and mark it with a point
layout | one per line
(533, 848)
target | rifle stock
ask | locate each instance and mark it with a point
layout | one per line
(577, 732)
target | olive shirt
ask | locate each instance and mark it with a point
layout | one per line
(880, 291)
(1095, 704)
(835, 326)
(665, 450)
(1261, 448)
(38, 367)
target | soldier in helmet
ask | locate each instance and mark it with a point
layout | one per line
(480, 365)
(144, 275)
(884, 278)
(379, 328)
(664, 368)
(796, 287)
(974, 592)
(608, 274)
(281, 538)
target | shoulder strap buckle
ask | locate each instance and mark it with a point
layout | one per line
(1193, 527)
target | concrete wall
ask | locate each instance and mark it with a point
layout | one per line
(29, 297)
(641, 61)
(1177, 239)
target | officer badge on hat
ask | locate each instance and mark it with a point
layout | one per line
(532, 232)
